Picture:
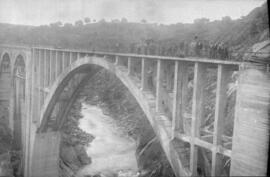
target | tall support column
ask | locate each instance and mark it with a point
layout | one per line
(63, 61)
(70, 58)
(48, 68)
(28, 117)
(159, 90)
(42, 78)
(223, 75)
(250, 146)
(58, 63)
(78, 56)
(145, 75)
(45, 68)
(66, 61)
(51, 67)
(131, 65)
(197, 112)
(179, 96)
(169, 77)
(54, 65)
(35, 101)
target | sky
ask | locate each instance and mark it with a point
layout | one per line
(42, 12)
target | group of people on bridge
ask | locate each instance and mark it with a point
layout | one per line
(195, 48)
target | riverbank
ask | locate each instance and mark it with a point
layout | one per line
(74, 142)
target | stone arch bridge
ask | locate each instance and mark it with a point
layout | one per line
(38, 85)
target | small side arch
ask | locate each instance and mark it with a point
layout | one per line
(5, 63)
(5, 87)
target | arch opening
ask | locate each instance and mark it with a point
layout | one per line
(60, 91)
(5, 80)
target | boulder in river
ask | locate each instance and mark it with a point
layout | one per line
(82, 155)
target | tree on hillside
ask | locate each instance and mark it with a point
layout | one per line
(143, 21)
(56, 24)
(115, 21)
(201, 21)
(87, 20)
(79, 23)
(102, 20)
(68, 25)
(124, 20)
(226, 19)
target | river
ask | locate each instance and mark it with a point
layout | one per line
(111, 152)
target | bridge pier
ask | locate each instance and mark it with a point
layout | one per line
(145, 75)
(160, 90)
(197, 112)
(179, 96)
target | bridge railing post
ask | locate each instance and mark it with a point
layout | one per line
(159, 85)
(224, 73)
(41, 78)
(58, 63)
(131, 63)
(179, 96)
(145, 75)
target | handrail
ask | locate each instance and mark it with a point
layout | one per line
(155, 57)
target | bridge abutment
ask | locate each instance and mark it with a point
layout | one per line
(251, 124)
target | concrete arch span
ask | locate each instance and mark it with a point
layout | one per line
(159, 124)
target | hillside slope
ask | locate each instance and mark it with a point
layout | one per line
(238, 34)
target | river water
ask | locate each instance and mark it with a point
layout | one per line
(111, 152)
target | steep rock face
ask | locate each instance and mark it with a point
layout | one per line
(69, 156)
(82, 155)
(74, 156)
(73, 151)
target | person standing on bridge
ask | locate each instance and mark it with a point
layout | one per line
(226, 52)
(194, 46)
(211, 50)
